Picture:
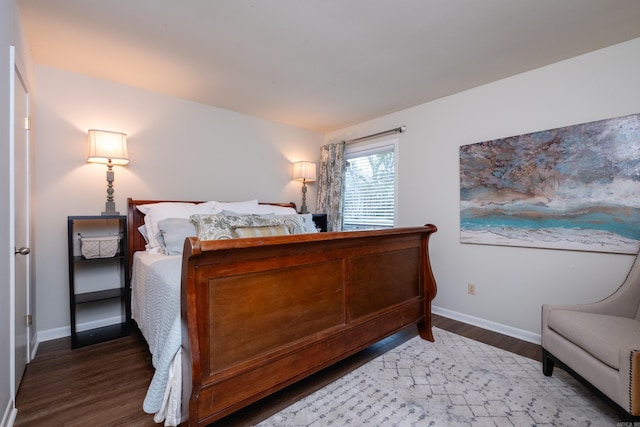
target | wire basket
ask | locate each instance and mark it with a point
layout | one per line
(99, 246)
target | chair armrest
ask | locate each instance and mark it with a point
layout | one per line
(613, 305)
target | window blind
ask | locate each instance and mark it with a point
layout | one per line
(370, 186)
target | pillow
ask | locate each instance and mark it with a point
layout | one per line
(277, 210)
(143, 230)
(247, 207)
(158, 211)
(309, 225)
(294, 223)
(231, 213)
(174, 231)
(220, 226)
(261, 231)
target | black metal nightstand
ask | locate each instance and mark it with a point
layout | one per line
(98, 283)
(320, 220)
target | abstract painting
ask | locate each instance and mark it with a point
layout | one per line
(575, 188)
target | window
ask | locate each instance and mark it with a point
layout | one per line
(370, 185)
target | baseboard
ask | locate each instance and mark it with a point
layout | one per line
(34, 346)
(488, 324)
(9, 416)
(53, 334)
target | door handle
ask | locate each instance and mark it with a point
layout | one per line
(23, 251)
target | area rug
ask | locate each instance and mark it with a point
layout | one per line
(454, 381)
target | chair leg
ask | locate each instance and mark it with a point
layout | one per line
(547, 363)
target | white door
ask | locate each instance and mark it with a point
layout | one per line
(21, 217)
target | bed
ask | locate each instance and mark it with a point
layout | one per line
(257, 314)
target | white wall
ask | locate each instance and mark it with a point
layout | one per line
(178, 150)
(11, 34)
(511, 283)
(184, 150)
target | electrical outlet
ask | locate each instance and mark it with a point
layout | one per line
(471, 289)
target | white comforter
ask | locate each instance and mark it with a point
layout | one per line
(155, 306)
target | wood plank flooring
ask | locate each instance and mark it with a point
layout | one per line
(105, 384)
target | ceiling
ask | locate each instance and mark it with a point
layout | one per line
(317, 64)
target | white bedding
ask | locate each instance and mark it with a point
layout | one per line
(155, 284)
(155, 306)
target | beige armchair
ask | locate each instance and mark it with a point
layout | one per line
(599, 342)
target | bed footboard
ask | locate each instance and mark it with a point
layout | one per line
(262, 313)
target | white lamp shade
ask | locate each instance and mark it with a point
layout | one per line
(304, 171)
(107, 147)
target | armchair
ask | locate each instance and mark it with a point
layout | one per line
(599, 342)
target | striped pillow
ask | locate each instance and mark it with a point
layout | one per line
(261, 231)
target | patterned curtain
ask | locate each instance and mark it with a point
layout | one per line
(330, 184)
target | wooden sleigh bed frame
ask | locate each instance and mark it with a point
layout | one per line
(259, 314)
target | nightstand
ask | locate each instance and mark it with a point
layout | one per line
(320, 220)
(98, 287)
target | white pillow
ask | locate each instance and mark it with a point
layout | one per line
(143, 231)
(309, 225)
(248, 207)
(174, 231)
(155, 212)
(276, 210)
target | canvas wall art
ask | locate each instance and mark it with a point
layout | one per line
(574, 188)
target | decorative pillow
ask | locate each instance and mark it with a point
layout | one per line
(261, 231)
(294, 223)
(158, 211)
(174, 231)
(309, 225)
(219, 226)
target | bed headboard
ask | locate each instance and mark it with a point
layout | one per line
(135, 219)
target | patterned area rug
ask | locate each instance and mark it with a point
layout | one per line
(453, 382)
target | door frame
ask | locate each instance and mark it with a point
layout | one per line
(17, 78)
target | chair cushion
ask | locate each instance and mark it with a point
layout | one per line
(600, 335)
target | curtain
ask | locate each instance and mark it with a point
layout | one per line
(330, 184)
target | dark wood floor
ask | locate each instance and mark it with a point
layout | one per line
(105, 384)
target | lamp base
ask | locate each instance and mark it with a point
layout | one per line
(110, 205)
(110, 209)
(303, 208)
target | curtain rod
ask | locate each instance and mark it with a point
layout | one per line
(400, 129)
